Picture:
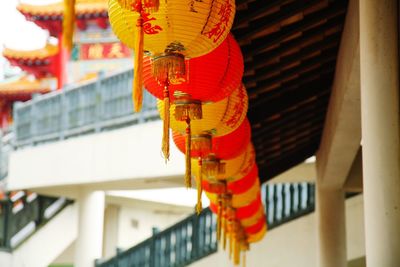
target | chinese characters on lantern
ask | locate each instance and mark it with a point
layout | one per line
(219, 28)
(147, 27)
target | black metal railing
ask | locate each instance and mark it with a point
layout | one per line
(287, 201)
(21, 217)
(195, 237)
(183, 243)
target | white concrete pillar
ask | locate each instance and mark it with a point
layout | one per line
(111, 221)
(380, 130)
(331, 224)
(89, 242)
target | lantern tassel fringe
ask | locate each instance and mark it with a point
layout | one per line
(189, 110)
(169, 66)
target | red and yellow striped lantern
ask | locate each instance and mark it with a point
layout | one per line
(224, 147)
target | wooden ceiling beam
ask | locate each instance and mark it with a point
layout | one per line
(254, 9)
(288, 131)
(327, 57)
(293, 158)
(305, 112)
(325, 72)
(317, 32)
(302, 54)
(285, 12)
(259, 45)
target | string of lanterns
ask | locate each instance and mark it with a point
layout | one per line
(186, 57)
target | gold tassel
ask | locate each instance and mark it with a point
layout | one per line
(188, 174)
(188, 109)
(169, 66)
(202, 142)
(68, 23)
(137, 93)
(231, 239)
(225, 232)
(199, 205)
(212, 166)
(219, 219)
(236, 253)
(244, 258)
(166, 123)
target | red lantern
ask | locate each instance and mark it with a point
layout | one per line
(244, 184)
(224, 147)
(257, 227)
(249, 210)
(211, 77)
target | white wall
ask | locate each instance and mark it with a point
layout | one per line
(130, 234)
(294, 244)
(126, 158)
(118, 229)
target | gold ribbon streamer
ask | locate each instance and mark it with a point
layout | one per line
(68, 23)
(137, 88)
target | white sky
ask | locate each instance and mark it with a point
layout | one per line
(15, 31)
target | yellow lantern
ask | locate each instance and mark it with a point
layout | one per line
(191, 117)
(239, 200)
(169, 31)
(213, 169)
(253, 238)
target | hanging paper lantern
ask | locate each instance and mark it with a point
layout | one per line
(202, 82)
(239, 200)
(224, 147)
(219, 118)
(253, 238)
(176, 30)
(255, 217)
(250, 209)
(256, 227)
(213, 169)
(243, 184)
(193, 118)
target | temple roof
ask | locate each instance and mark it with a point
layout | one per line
(38, 54)
(83, 7)
(23, 88)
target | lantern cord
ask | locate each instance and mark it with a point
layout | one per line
(219, 220)
(68, 23)
(188, 174)
(199, 205)
(137, 92)
(166, 123)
